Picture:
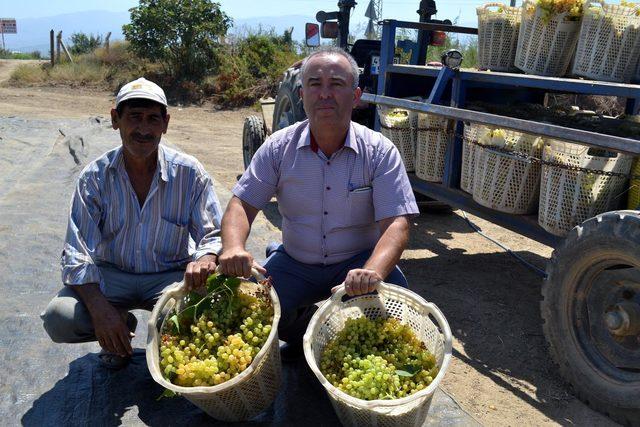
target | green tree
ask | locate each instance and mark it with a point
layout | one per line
(82, 43)
(183, 35)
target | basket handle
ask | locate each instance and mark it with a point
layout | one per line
(178, 292)
(341, 291)
(492, 4)
(442, 323)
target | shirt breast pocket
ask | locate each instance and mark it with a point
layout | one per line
(171, 240)
(360, 210)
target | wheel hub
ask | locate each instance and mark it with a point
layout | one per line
(623, 319)
(611, 316)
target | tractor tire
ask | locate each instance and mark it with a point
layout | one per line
(592, 275)
(253, 134)
(288, 108)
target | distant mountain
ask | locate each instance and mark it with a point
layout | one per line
(33, 33)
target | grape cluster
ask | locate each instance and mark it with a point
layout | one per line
(219, 345)
(377, 359)
(551, 8)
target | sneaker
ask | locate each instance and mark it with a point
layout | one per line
(291, 352)
(113, 361)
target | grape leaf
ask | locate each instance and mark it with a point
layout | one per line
(167, 394)
(408, 370)
(174, 320)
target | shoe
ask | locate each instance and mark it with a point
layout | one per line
(113, 361)
(291, 352)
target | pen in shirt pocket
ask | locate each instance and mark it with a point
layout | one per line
(361, 189)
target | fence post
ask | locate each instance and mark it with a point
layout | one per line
(106, 41)
(53, 58)
(58, 43)
(66, 51)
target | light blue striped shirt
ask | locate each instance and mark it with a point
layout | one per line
(107, 225)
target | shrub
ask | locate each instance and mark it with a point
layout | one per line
(82, 43)
(182, 35)
(28, 74)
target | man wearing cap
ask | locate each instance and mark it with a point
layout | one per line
(133, 213)
(343, 194)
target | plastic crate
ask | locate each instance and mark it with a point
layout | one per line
(240, 398)
(498, 36)
(399, 125)
(432, 138)
(609, 42)
(390, 301)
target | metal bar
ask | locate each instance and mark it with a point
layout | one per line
(615, 143)
(550, 84)
(440, 85)
(433, 27)
(453, 155)
(527, 225)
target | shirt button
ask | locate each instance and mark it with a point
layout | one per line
(325, 255)
(328, 188)
(325, 212)
(328, 163)
(324, 236)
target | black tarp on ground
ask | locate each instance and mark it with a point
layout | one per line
(47, 384)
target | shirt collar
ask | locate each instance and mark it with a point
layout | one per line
(162, 164)
(305, 139)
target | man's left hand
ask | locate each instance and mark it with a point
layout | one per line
(198, 271)
(360, 281)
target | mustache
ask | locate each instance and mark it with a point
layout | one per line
(141, 137)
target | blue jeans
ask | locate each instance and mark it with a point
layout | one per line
(300, 286)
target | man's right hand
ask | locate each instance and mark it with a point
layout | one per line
(111, 330)
(237, 263)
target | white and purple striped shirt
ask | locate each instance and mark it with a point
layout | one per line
(107, 225)
(329, 206)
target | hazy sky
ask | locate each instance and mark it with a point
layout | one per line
(398, 9)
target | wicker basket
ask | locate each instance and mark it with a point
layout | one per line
(545, 48)
(497, 36)
(391, 301)
(401, 132)
(472, 132)
(509, 182)
(569, 197)
(609, 45)
(633, 200)
(432, 138)
(240, 398)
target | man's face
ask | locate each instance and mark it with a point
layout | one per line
(141, 129)
(327, 90)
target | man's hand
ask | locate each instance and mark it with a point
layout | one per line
(238, 262)
(198, 271)
(360, 281)
(111, 330)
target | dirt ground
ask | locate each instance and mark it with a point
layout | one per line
(501, 372)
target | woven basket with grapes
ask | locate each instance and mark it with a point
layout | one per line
(219, 348)
(380, 356)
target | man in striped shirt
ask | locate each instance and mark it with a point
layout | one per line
(343, 194)
(133, 213)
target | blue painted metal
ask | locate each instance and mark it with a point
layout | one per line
(467, 85)
(444, 77)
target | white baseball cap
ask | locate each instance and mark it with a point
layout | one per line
(141, 88)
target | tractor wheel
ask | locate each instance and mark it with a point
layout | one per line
(591, 312)
(253, 134)
(288, 107)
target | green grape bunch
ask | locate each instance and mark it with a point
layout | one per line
(373, 359)
(216, 336)
(551, 8)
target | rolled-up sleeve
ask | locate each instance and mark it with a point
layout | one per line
(205, 221)
(259, 182)
(83, 236)
(392, 193)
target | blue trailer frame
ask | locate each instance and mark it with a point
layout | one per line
(446, 92)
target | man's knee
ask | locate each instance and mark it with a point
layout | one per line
(63, 322)
(396, 277)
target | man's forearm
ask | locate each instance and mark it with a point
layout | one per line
(91, 296)
(389, 248)
(236, 223)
